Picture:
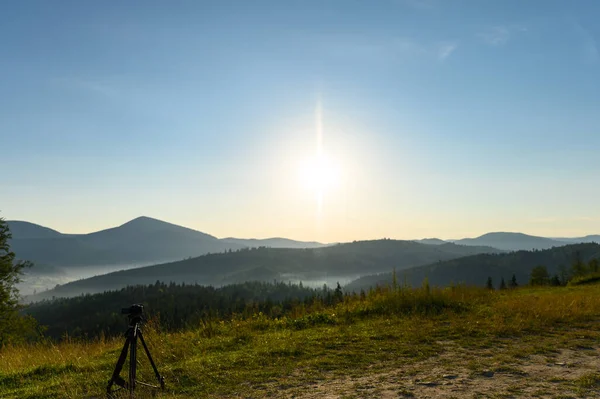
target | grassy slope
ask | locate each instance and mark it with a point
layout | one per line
(393, 330)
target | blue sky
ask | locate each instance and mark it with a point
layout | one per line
(444, 118)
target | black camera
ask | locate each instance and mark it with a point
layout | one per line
(133, 311)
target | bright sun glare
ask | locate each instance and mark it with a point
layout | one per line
(319, 173)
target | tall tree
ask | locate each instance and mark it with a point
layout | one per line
(489, 284)
(338, 293)
(513, 282)
(13, 326)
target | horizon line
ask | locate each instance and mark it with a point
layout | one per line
(448, 240)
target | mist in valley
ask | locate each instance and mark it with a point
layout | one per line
(39, 279)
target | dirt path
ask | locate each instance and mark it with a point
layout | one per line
(563, 374)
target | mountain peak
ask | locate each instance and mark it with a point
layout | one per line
(148, 224)
(143, 220)
(498, 234)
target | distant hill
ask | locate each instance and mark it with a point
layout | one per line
(141, 240)
(477, 268)
(512, 241)
(276, 242)
(576, 240)
(152, 240)
(60, 258)
(341, 261)
(26, 230)
(432, 241)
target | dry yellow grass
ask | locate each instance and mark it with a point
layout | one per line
(258, 356)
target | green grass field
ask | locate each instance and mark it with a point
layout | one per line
(399, 341)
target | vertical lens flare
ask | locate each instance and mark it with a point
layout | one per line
(319, 127)
(319, 174)
(319, 184)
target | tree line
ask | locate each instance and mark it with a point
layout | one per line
(579, 271)
(176, 306)
(181, 306)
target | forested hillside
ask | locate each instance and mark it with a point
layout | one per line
(175, 306)
(477, 268)
(339, 262)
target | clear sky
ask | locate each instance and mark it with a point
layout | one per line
(315, 120)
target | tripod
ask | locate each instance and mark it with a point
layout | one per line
(133, 333)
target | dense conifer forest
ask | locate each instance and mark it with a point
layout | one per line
(174, 306)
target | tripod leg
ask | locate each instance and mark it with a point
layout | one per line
(133, 361)
(116, 378)
(161, 380)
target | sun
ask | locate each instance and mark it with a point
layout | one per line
(320, 174)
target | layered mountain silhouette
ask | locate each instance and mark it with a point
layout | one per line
(26, 230)
(143, 240)
(432, 241)
(474, 270)
(341, 261)
(586, 239)
(515, 241)
(275, 242)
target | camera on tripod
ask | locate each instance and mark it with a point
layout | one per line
(133, 311)
(134, 333)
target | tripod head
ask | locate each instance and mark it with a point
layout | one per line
(135, 313)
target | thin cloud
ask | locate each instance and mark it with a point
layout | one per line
(388, 49)
(499, 35)
(496, 36)
(356, 46)
(445, 50)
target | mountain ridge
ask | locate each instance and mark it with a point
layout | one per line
(512, 241)
(143, 241)
(337, 262)
(475, 269)
(140, 240)
(24, 229)
(275, 242)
